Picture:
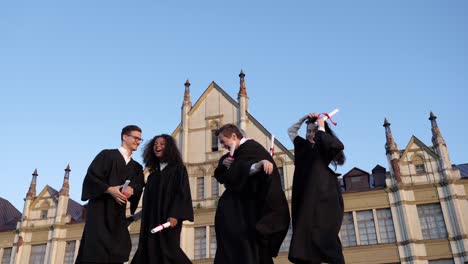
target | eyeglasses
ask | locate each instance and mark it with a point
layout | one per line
(135, 138)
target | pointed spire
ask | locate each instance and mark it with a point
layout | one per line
(391, 150)
(390, 145)
(242, 89)
(437, 138)
(187, 100)
(32, 187)
(66, 179)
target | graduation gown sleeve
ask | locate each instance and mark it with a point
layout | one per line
(328, 143)
(95, 181)
(137, 183)
(220, 171)
(181, 206)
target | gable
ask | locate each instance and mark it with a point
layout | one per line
(355, 172)
(46, 199)
(416, 146)
(202, 106)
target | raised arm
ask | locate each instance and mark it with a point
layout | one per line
(292, 131)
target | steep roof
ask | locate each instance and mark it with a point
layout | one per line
(463, 170)
(355, 171)
(9, 215)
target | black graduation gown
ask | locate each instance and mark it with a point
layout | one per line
(105, 236)
(252, 217)
(317, 203)
(167, 194)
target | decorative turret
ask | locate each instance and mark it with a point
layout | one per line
(32, 187)
(186, 107)
(30, 196)
(66, 186)
(391, 150)
(187, 101)
(243, 102)
(242, 89)
(440, 147)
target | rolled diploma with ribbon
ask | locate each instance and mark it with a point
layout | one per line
(272, 148)
(332, 113)
(125, 185)
(160, 227)
(231, 150)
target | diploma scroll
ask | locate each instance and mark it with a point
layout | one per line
(125, 185)
(329, 115)
(231, 150)
(124, 188)
(160, 227)
(272, 148)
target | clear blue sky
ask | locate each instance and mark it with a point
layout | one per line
(73, 73)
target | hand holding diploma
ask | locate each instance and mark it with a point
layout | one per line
(321, 120)
(329, 115)
(127, 190)
(229, 159)
(232, 149)
(160, 227)
(116, 194)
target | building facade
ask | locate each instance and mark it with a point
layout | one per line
(410, 213)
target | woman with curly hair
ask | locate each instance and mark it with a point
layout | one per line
(166, 198)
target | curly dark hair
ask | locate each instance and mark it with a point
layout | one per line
(171, 153)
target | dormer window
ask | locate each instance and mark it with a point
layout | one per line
(214, 126)
(43, 214)
(418, 163)
(214, 141)
(420, 168)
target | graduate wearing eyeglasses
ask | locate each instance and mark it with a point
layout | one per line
(105, 236)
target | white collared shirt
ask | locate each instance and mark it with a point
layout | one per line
(243, 140)
(253, 170)
(162, 165)
(125, 155)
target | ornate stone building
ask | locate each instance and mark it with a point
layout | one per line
(410, 213)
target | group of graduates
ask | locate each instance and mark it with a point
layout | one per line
(252, 217)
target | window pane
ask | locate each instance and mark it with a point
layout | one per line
(6, 256)
(214, 187)
(37, 254)
(386, 228)
(212, 242)
(69, 252)
(200, 242)
(43, 214)
(348, 235)
(366, 227)
(432, 221)
(420, 168)
(200, 188)
(214, 141)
